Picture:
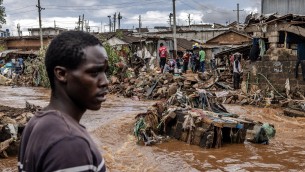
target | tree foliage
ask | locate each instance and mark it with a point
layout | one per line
(113, 58)
(2, 13)
(35, 69)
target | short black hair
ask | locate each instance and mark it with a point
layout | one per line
(66, 50)
(161, 44)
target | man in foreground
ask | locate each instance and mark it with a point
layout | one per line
(53, 139)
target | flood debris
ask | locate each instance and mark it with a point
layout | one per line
(199, 120)
(12, 123)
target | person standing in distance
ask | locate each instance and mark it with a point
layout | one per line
(54, 140)
(163, 56)
(202, 59)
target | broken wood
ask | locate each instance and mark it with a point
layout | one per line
(294, 112)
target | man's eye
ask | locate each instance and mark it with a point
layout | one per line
(95, 73)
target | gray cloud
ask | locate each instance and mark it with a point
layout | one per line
(153, 12)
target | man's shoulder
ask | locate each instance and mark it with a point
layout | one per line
(52, 124)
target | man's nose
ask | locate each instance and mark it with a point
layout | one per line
(103, 81)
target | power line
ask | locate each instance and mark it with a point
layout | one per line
(110, 6)
(20, 8)
(22, 12)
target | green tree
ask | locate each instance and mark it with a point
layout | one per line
(2, 13)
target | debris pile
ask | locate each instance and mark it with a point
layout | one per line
(200, 120)
(24, 71)
(158, 86)
(12, 123)
(162, 86)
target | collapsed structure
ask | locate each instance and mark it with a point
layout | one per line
(200, 120)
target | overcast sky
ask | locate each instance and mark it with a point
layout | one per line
(65, 13)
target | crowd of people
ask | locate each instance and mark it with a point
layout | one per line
(195, 60)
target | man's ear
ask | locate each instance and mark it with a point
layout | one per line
(60, 73)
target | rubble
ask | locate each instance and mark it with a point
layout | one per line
(12, 123)
(157, 86)
(199, 120)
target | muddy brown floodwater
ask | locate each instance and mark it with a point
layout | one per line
(111, 128)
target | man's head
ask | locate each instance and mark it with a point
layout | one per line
(66, 50)
(161, 44)
(76, 63)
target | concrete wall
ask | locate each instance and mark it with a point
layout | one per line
(276, 66)
(46, 32)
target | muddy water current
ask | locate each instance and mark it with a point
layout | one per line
(111, 128)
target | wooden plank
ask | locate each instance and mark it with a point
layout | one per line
(294, 113)
(5, 144)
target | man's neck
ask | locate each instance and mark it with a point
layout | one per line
(65, 105)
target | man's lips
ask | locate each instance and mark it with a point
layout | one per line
(101, 96)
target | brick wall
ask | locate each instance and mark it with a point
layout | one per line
(277, 65)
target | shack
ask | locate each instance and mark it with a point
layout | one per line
(280, 36)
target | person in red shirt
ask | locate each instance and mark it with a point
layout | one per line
(186, 58)
(163, 56)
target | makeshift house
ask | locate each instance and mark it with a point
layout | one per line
(225, 41)
(277, 38)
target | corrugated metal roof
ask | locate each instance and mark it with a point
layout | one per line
(5, 52)
(18, 51)
(283, 7)
(184, 44)
(132, 39)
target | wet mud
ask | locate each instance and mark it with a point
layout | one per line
(111, 127)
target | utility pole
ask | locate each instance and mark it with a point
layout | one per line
(119, 20)
(83, 22)
(140, 24)
(189, 19)
(109, 23)
(114, 22)
(40, 29)
(54, 24)
(174, 30)
(170, 20)
(238, 10)
(18, 29)
(78, 23)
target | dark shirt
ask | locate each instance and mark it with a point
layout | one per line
(254, 52)
(301, 51)
(53, 141)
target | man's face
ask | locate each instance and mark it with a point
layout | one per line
(87, 85)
